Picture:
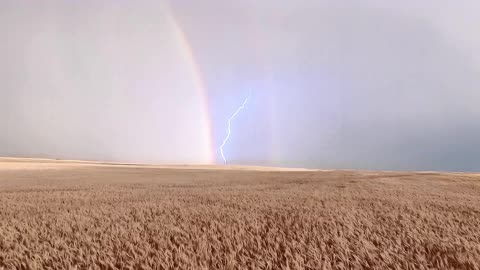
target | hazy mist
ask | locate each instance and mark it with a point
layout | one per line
(357, 84)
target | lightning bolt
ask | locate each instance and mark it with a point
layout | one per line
(229, 126)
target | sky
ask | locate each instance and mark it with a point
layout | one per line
(382, 85)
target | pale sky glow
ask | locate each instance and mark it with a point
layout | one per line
(352, 84)
(99, 81)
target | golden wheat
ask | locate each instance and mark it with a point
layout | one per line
(107, 217)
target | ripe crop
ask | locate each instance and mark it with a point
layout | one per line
(121, 217)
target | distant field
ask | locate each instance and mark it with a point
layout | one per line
(77, 215)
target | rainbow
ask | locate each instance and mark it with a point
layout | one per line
(200, 85)
(187, 50)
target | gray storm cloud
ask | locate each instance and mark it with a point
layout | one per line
(357, 84)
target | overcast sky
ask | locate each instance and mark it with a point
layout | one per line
(353, 84)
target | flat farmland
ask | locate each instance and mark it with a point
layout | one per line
(80, 215)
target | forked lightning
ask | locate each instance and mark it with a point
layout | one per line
(229, 126)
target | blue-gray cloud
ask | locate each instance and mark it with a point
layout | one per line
(357, 84)
(345, 85)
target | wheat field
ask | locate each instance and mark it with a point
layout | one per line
(58, 215)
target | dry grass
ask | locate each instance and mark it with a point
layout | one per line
(121, 217)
